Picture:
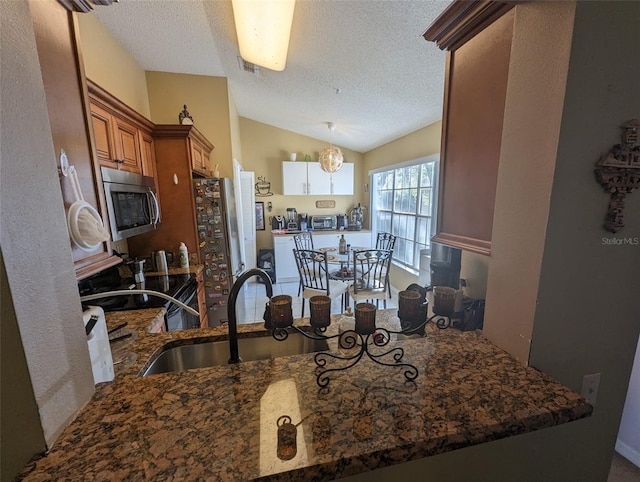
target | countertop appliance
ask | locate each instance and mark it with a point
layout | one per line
(182, 287)
(98, 341)
(356, 218)
(343, 221)
(219, 243)
(324, 223)
(132, 203)
(292, 219)
(445, 265)
(278, 222)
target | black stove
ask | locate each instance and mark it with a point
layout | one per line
(177, 286)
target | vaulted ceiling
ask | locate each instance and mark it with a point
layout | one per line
(361, 64)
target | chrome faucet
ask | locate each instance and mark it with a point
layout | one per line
(234, 356)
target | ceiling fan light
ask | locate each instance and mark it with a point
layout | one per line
(263, 28)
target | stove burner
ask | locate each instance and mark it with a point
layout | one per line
(110, 280)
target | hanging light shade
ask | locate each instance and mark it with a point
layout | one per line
(331, 158)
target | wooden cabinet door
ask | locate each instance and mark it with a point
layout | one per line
(105, 148)
(127, 146)
(196, 157)
(202, 301)
(475, 92)
(148, 155)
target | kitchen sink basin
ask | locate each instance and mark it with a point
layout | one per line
(214, 353)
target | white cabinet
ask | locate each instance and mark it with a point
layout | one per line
(286, 269)
(294, 178)
(307, 178)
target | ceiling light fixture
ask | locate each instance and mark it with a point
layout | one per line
(331, 158)
(263, 28)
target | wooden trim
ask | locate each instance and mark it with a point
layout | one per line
(111, 103)
(182, 131)
(462, 20)
(443, 139)
(479, 246)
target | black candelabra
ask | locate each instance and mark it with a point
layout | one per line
(362, 337)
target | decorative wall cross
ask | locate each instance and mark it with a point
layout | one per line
(619, 173)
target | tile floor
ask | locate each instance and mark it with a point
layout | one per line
(252, 299)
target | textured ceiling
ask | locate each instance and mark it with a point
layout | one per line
(390, 79)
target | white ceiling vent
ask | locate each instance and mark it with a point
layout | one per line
(248, 66)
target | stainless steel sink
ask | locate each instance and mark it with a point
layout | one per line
(208, 354)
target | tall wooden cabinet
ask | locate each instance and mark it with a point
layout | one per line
(477, 36)
(176, 151)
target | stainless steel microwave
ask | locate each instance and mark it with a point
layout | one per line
(132, 203)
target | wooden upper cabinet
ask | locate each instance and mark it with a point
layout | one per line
(122, 136)
(478, 35)
(174, 150)
(198, 157)
(148, 154)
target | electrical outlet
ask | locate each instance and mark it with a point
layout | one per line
(590, 384)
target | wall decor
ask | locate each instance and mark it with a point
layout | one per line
(618, 172)
(263, 187)
(326, 204)
(260, 226)
(184, 118)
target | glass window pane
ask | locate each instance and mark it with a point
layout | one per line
(403, 204)
(425, 202)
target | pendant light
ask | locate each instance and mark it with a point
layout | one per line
(331, 158)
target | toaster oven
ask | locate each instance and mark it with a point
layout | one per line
(324, 223)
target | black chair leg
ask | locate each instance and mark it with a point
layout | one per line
(303, 300)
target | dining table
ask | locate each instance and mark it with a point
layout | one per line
(334, 257)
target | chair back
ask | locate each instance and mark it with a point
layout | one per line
(313, 269)
(303, 240)
(371, 268)
(385, 241)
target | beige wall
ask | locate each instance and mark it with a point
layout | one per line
(264, 147)
(109, 65)
(234, 128)
(35, 246)
(539, 65)
(207, 100)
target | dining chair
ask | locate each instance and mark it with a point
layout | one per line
(370, 276)
(314, 276)
(386, 241)
(303, 240)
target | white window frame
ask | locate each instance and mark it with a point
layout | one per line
(413, 266)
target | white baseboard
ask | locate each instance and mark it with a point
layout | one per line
(628, 453)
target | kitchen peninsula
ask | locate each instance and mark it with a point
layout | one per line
(221, 423)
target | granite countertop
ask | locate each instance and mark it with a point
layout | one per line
(221, 423)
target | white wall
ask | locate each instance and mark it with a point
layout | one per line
(628, 443)
(34, 238)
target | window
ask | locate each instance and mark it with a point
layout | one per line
(403, 199)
